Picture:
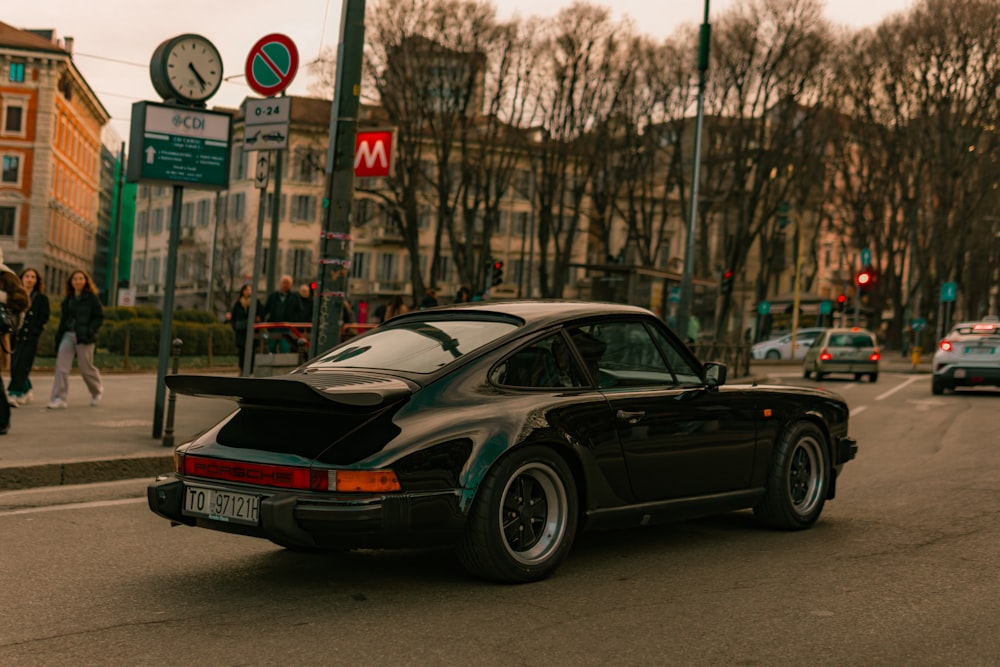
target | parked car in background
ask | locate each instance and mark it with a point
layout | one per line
(781, 347)
(968, 356)
(853, 351)
(502, 430)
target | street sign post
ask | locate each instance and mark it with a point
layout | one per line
(763, 308)
(949, 292)
(173, 145)
(272, 64)
(267, 123)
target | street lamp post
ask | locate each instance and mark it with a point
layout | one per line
(684, 307)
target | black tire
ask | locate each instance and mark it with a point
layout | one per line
(530, 491)
(873, 377)
(937, 387)
(805, 372)
(858, 376)
(772, 354)
(820, 376)
(798, 481)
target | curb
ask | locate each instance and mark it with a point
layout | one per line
(29, 476)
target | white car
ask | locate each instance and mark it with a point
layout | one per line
(781, 348)
(969, 356)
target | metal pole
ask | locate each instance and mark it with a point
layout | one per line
(168, 434)
(219, 212)
(167, 320)
(798, 282)
(531, 234)
(684, 307)
(335, 239)
(273, 246)
(115, 259)
(252, 315)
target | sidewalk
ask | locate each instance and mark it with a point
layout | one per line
(113, 441)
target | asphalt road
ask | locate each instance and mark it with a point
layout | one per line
(901, 570)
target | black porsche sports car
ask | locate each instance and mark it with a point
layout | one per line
(502, 429)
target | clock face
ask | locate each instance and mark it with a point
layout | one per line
(187, 68)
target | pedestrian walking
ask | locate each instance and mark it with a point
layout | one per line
(26, 339)
(395, 307)
(15, 300)
(80, 317)
(239, 316)
(283, 305)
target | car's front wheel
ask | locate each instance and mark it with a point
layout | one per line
(773, 354)
(798, 481)
(524, 519)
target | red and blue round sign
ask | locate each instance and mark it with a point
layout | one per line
(272, 64)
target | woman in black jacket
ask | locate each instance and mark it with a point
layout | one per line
(80, 318)
(26, 339)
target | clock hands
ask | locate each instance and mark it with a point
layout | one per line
(198, 76)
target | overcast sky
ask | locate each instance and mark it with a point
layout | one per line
(114, 39)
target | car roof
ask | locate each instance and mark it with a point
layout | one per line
(537, 312)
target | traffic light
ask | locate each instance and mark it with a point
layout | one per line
(497, 273)
(727, 281)
(865, 280)
(783, 214)
(841, 303)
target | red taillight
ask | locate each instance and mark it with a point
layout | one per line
(825, 356)
(875, 356)
(946, 346)
(289, 477)
(285, 477)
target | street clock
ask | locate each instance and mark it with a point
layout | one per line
(186, 68)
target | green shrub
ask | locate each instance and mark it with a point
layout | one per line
(118, 313)
(192, 315)
(147, 312)
(143, 336)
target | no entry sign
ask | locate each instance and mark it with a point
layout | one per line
(272, 64)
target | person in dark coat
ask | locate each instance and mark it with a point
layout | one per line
(283, 305)
(26, 339)
(238, 318)
(81, 315)
(15, 298)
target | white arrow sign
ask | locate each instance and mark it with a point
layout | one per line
(150, 154)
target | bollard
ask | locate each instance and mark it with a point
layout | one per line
(168, 430)
(915, 357)
(303, 350)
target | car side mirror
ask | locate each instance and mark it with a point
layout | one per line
(715, 374)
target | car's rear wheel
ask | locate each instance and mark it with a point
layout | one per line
(858, 376)
(820, 376)
(524, 518)
(805, 373)
(937, 387)
(873, 377)
(798, 481)
(772, 354)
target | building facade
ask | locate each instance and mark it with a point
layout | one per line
(50, 146)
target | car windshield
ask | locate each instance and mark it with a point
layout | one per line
(414, 346)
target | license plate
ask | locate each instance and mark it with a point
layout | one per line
(222, 505)
(979, 350)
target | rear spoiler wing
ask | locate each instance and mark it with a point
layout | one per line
(303, 391)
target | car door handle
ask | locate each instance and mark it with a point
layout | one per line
(630, 417)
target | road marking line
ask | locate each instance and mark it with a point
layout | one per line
(897, 388)
(73, 506)
(858, 410)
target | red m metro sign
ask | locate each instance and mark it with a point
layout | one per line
(373, 154)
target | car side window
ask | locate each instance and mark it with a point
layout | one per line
(547, 363)
(623, 354)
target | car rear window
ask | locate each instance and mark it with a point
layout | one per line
(415, 346)
(851, 340)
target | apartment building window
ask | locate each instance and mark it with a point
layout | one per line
(184, 266)
(444, 269)
(13, 122)
(16, 72)
(303, 208)
(187, 219)
(138, 268)
(204, 212)
(424, 218)
(7, 215)
(239, 163)
(300, 263)
(308, 165)
(141, 224)
(157, 226)
(11, 169)
(359, 266)
(265, 258)
(387, 267)
(239, 205)
(153, 278)
(270, 206)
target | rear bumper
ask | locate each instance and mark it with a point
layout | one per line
(847, 366)
(323, 521)
(968, 376)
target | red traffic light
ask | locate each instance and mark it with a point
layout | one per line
(497, 266)
(864, 278)
(842, 298)
(728, 275)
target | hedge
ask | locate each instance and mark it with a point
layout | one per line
(144, 337)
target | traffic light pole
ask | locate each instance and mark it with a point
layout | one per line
(335, 240)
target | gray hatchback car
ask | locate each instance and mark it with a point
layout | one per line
(854, 351)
